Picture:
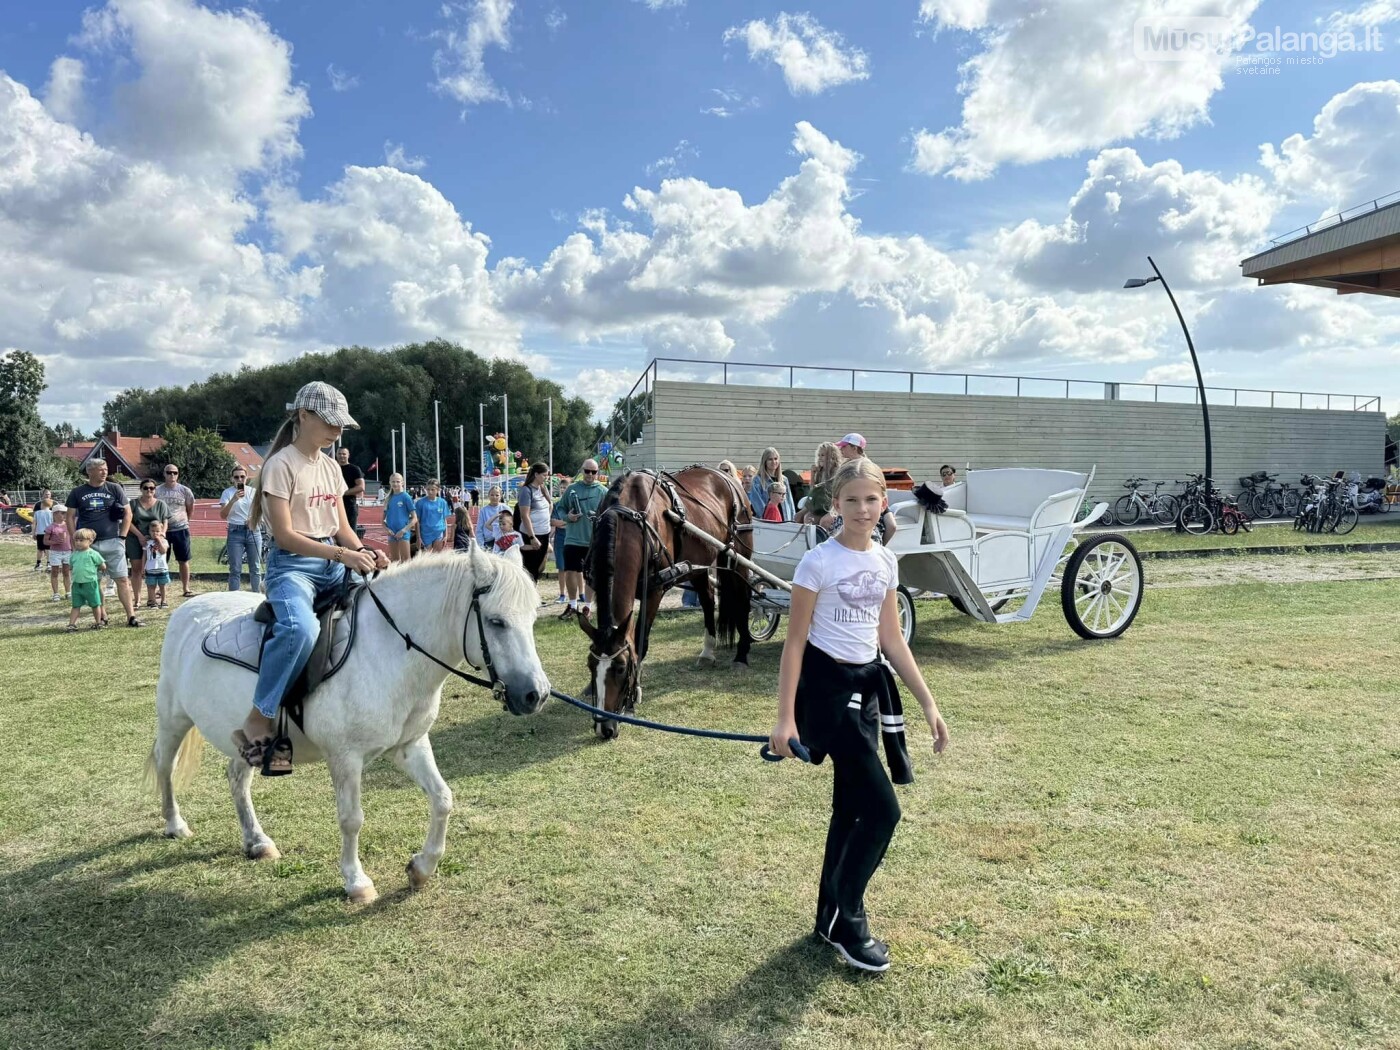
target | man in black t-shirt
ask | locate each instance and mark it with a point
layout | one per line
(354, 486)
(101, 506)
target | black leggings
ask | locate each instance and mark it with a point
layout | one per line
(864, 810)
(534, 560)
(864, 813)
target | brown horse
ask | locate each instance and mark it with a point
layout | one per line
(639, 551)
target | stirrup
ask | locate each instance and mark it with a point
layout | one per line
(279, 751)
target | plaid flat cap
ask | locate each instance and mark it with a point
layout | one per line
(327, 402)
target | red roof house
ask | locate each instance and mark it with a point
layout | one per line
(139, 457)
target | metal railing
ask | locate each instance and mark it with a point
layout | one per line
(819, 377)
(1342, 216)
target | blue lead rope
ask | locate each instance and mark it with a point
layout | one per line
(712, 734)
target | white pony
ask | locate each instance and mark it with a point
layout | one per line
(384, 698)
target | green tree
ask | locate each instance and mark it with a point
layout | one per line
(385, 389)
(24, 442)
(422, 465)
(64, 433)
(1392, 427)
(200, 454)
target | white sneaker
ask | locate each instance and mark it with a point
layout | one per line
(563, 599)
(56, 598)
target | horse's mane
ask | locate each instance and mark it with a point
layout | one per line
(444, 574)
(602, 553)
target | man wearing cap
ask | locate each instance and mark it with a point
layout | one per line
(852, 446)
(299, 495)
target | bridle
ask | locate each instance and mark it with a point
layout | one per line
(492, 681)
(630, 673)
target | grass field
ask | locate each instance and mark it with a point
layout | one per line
(1184, 838)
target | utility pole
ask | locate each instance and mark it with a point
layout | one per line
(393, 452)
(462, 458)
(437, 445)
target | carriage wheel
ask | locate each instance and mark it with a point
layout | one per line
(1102, 587)
(904, 602)
(763, 621)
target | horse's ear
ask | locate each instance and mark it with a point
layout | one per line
(587, 627)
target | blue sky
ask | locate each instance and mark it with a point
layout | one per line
(953, 185)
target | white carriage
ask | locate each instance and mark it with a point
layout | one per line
(1007, 535)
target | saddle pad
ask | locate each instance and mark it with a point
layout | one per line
(239, 639)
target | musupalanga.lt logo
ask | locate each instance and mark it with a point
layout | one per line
(1159, 39)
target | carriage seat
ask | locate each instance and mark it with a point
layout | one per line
(1019, 498)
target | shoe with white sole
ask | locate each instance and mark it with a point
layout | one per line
(856, 947)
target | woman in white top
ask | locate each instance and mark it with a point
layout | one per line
(534, 519)
(299, 495)
(842, 615)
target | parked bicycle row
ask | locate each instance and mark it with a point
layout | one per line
(1262, 496)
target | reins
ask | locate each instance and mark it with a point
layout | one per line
(498, 688)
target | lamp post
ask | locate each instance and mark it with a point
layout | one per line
(437, 445)
(393, 452)
(1138, 282)
(462, 457)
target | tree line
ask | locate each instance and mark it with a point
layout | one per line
(385, 389)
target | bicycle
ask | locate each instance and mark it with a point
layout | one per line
(1195, 514)
(1160, 507)
(1259, 495)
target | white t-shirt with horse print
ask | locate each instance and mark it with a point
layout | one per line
(851, 587)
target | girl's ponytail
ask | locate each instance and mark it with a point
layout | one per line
(286, 434)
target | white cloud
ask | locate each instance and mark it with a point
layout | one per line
(395, 157)
(1200, 224)
(393, 261)
(811, 57)
(460, 64)
(341, 80)
(661, 5)
(671, 165)
(730, 102)
(555, 19)
(1053, 80)
(1373, 13)
(63, 94)
(215, 91)
(1353, 154)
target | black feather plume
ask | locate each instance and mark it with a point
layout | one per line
(930, 499)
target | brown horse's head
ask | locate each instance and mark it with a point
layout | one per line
(613, 666)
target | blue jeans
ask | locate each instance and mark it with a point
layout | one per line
(559, 550)
(293, 584)
(243, 543)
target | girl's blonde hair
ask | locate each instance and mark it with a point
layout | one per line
(862, 468)
(728, 467)
(286, 434)
(778, 489)
(394, 475)
(826, 461)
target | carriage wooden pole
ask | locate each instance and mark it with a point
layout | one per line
(723, 548)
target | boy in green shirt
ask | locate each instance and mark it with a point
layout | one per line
(86, 564)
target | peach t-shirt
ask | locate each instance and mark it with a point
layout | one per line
(312, 487)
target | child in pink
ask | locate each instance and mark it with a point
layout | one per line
(60, 543)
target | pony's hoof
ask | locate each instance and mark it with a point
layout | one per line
(178, 831)
(416, 879)
(739, 668)
(362, 894)
(262, 851)
(705, 661)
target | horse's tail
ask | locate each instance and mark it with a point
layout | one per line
(186, 764)
(734, 597)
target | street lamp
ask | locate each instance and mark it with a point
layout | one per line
(1139, 282)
